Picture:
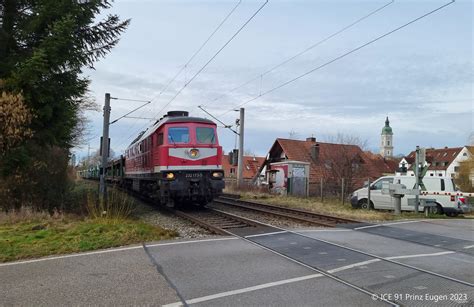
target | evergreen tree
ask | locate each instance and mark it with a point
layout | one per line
(44, 46)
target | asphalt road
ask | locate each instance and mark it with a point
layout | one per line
(236, 272)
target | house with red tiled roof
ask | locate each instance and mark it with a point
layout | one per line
(329, 163)
(250, 169)
(443, 162)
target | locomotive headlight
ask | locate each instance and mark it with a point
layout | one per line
(170, 176)
(217, 175)
(194, 153)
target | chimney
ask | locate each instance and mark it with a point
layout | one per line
(311, 139)
(315, 152)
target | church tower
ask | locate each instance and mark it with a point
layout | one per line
(386, 146)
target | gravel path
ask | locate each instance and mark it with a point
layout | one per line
(153, 215)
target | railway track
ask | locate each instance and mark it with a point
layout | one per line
(220, 222)
(289, 213)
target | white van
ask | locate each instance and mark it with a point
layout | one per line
(441, 189)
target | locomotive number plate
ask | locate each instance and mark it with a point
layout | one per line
(193, 175)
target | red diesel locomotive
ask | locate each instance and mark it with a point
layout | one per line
(176, 161)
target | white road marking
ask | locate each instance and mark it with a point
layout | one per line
(387, 224)
(244, 290)
(470, 246)
(364, 227)
(420, 255)
(318, 230)
(287, 281)
(265, 234)
(389, 276)
(72, 255)
(350, 266)
(192, 241)
(111, 250)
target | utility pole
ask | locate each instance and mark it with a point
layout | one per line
(88, 155)
(105, 148)
(240, 166)
(417, 176)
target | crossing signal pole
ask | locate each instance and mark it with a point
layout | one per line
(105, 148)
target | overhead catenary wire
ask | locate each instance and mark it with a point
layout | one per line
(213, 57)
(225, 125)
(341, 56)
(198, 50)
(188, 62)
(273, 68)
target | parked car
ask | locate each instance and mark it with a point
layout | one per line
(440, 189)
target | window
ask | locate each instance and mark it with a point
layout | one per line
(443, 187)
(159, 139)
(464, 154)
(431, 174)
(378, 184)
(456, 168)
(388, 143)
(205, 135)
(178, 135)
(441, 175)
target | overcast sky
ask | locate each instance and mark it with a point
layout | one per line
(420, 76)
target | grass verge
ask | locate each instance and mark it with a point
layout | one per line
(90, 225)
(32, 239)
(331, 207)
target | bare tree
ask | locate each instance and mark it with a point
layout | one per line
(347, 139)
(293, 135)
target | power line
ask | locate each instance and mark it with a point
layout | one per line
(126, 99)
(225, 125)
(137, 108)
(340, 57)
(198, 50)
(190, 59)
(213, 57)
(305, 50)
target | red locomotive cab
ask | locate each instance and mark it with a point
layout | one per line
(177, 160)
(188, 146)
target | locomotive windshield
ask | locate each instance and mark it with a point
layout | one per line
(178, 135)
(205, 135)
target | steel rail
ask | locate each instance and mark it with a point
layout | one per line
(299, 214)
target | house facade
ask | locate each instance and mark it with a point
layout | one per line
(442, 162)
(329, 163)
(250, 169)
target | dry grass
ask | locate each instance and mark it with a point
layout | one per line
(119, 205)
(331, 207)
(29, 215)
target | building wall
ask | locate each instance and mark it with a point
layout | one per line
(450, 171)
(462, 156)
